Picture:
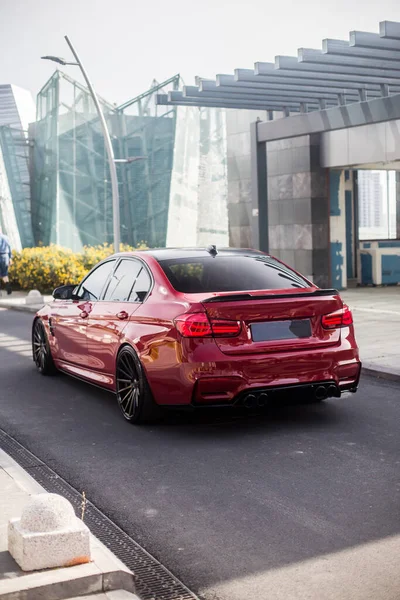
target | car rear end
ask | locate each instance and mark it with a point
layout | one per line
(254, 330)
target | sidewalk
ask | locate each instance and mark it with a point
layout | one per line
(376, 314)
(105, 578)
(17, 300)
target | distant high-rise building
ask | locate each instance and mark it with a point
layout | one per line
(370, 199)
(17, 110)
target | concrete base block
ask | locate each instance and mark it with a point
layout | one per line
(48, 535)
(34, 297)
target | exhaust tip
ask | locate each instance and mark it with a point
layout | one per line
(250, 401)
(321, 393)
(262, 400)
(333, 391)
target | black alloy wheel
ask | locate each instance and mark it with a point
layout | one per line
(133, 392)
(41, 350)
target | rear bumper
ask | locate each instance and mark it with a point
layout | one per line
(251, 397)
(207, 377)
(273, 394)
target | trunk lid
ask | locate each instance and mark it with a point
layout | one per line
(276, 321)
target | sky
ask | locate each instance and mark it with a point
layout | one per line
(125, 44)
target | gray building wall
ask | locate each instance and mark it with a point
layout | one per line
(311, 221)
(298, 206)
(364, 145)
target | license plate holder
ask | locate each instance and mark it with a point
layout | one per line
(271, 331)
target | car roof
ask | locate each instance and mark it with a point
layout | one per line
(176, 253)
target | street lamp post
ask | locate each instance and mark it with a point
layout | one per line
(107, 140)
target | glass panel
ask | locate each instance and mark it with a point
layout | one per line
(230, 274)
(377, 205)
(142, 286)
(8, 222)
(122, 281)
(14, 167)
(91, 288)
(16, 112)
(198, 209)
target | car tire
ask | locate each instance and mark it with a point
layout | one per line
(41, 350)
(134, 396)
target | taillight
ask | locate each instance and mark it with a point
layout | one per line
(339, 318)
(199, 325)
(347, 316)
(225, 328)
(194, 325)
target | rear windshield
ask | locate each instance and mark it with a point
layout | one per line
(230, 274)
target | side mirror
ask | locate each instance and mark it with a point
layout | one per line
(65, 292)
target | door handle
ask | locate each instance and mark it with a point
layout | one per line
(122, 315)
(84, 314)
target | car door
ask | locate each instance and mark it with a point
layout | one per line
(70, 318)
(127, 288)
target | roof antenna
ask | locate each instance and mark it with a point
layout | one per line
(212, 250)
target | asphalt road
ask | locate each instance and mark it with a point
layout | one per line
(224, 504)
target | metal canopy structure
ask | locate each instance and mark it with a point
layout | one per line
(364, 68)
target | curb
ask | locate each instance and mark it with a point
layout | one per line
(21, 307)
(106, 573)
(381, 373)
(53, 585)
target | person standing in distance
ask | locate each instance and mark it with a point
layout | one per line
(5, 260)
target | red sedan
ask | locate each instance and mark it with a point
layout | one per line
(193, 327)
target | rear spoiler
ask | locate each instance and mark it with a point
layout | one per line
(244, 297)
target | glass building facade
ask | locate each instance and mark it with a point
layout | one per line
(172, 192)
(8, 222)
(16, 111)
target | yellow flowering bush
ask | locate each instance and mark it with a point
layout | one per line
(47, 267)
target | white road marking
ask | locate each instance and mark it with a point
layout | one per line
(16, 345)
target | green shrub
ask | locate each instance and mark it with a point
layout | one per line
(47, 267)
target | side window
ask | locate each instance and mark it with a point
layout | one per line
(92, 286)
(122, 281)
(142, 286)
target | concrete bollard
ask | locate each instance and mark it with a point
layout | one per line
(34, 297)
(48, 535)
